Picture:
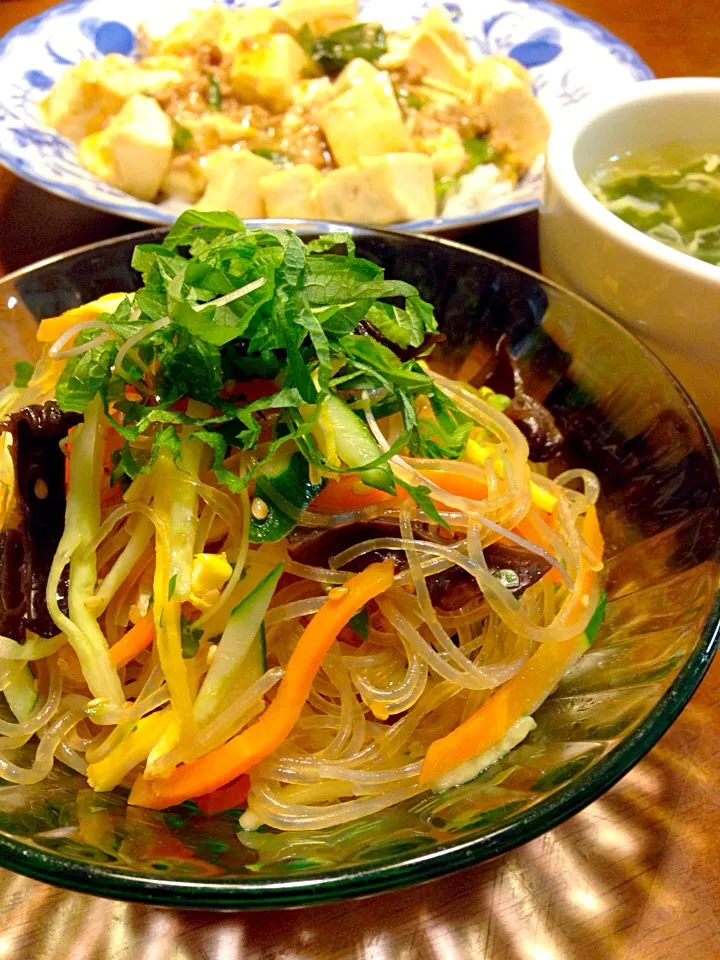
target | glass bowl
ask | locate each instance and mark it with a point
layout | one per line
(625, 418)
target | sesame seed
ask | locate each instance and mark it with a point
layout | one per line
(259, 509)
(41, 489)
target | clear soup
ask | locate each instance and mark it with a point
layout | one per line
(671, 194)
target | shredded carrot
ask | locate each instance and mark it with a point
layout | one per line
(238, 755)
(134, 641)
(591, 533)
(512, 701)
(350, 493)
(52, 327)
(458, 484)
(235, 794)
(522, 694)
(346, 493)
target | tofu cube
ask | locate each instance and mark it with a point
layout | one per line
(185, 178)
(380, 190)
(313, 93)
(233, 182)
(200, 28)
(497, 71)
(447, 152)
(322, 16)
(437, 20)
(364, 121)
(246, 23)
(266, 71)
(357, 71)
(292, 192)
(430, 54)
(87, 95)
(519, 127)
(133, 152)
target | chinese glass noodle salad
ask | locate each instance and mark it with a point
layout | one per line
(258, 554)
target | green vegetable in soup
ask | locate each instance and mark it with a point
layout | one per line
(671, 197)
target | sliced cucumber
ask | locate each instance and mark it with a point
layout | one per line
(255, 663)
(21, 693)
(353, 442)
(241, 648)
(284, 484)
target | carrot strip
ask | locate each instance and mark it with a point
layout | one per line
(52, 327)
(347, 493)
(238, 755)
(134, 641)
(512, 701)
(525, 691)
(350, 493)
(591, 532)
(235, 794)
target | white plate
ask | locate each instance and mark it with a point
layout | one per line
(570, 58)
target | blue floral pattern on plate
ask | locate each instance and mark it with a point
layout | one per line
(570, 59)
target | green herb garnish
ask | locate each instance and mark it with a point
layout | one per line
(23, 373)
(360, 623)
(445, 186)
(223, 305)
(190, 637)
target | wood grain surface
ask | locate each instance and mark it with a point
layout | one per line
(635, 876)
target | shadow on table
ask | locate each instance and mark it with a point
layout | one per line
(581, 891)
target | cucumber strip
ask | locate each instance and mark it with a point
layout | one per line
(21, 693)
(82, 521)
(354, 444)
(287, 491)
(242, 639)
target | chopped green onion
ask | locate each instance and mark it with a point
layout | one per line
(214, 93)
(182, 137)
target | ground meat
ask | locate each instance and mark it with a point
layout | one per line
(467, 118)
(301, 138)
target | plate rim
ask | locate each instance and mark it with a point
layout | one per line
(130, 210)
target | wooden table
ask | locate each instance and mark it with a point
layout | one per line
(635, 876)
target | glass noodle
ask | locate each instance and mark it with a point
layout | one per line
(186, 622)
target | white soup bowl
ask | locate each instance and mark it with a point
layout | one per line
(669, 299)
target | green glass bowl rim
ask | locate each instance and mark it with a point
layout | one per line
(108, 880)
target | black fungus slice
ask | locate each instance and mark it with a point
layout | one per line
(532, 419)
(12, 598)
(449, 590)
(366, 329)
(40, 490)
